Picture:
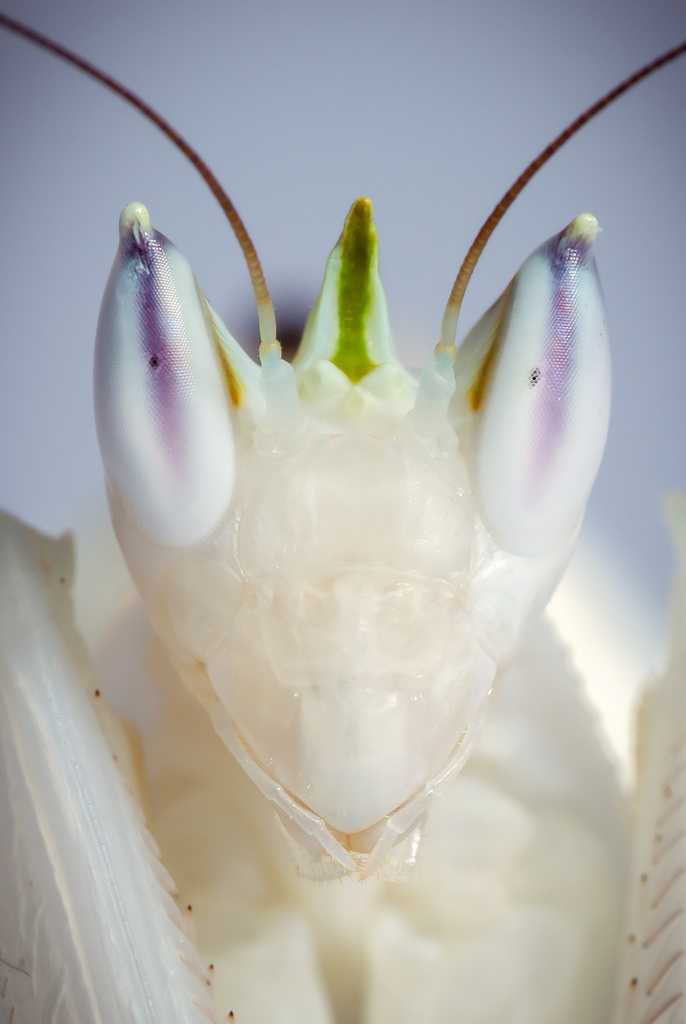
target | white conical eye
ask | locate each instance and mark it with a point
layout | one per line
(541, 395)
(161, 402)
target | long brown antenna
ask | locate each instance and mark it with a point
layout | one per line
(452, 310)
(265, 309)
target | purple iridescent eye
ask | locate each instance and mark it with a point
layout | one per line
(161, 403)
(542, 398)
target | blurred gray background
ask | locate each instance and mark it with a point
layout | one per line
(429, 108)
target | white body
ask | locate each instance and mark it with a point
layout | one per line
(524, 867)
(525, 853)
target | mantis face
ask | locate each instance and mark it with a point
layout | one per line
(338, 555)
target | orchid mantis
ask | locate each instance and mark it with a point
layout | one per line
(381, 1001)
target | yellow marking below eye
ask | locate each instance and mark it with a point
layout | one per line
(233, 385)
(479, 384)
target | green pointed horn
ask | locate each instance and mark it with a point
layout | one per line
(349, 324)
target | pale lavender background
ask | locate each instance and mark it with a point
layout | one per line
(429, 108)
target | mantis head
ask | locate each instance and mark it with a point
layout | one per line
(339, 554)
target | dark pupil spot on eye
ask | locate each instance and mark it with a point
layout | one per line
(534, 377)
(153, 361)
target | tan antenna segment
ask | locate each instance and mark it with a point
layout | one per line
(265, 309)
(452, 309)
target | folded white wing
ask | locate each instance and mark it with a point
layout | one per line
(86, 927)
(653, 986)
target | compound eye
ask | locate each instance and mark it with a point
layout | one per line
(541, 395)
(162, 406)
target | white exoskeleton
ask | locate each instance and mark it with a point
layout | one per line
(343, 561)
(339, 557)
